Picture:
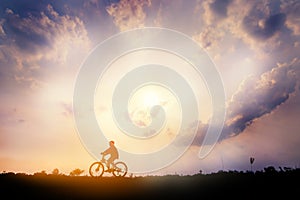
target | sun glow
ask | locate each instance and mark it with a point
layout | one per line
(144, 99)
(150, 99)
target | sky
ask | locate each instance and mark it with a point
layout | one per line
(254, 46)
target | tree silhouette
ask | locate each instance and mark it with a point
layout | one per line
(55, 171)
(76, 172)
(43, 173)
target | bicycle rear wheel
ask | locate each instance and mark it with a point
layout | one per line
(96, 169)
(120, 169)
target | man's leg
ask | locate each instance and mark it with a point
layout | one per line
(109, 161)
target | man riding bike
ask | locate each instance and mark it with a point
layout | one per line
(114, 154)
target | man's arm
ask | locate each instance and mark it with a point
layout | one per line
(107, 151)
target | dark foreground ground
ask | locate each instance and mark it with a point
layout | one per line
(231, 185)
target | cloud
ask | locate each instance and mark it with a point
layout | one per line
(28, 33)
(220, 19)
(264, 28)
(180, 15)
(11, 116)
(33, 83)
(260, 25)
(256, 97)
(209, 37)
(219, 7)
(128, 14)
(215, 11)
(259, 96)
(2, 33)
(32, 43)
(293, 15)
(67, 109)
(21, 120)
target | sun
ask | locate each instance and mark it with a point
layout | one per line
(150, 98)
(142, 101)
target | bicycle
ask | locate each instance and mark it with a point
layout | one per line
(118, 169)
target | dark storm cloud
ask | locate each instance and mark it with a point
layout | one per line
(264, 28)
(219, 7)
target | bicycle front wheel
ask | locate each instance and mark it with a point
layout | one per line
(96, 169)
(120, 169)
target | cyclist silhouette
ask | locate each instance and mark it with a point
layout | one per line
(114, 154)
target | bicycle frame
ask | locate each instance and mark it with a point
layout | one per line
(104, 162)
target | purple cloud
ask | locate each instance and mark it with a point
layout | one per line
(259, 96)
(256, 97)
(219, 7)
(264, 28)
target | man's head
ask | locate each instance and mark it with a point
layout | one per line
(111, 143)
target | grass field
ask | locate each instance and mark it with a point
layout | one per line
(231, 184)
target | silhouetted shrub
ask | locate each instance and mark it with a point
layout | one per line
(76, 172)
(270, 169)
